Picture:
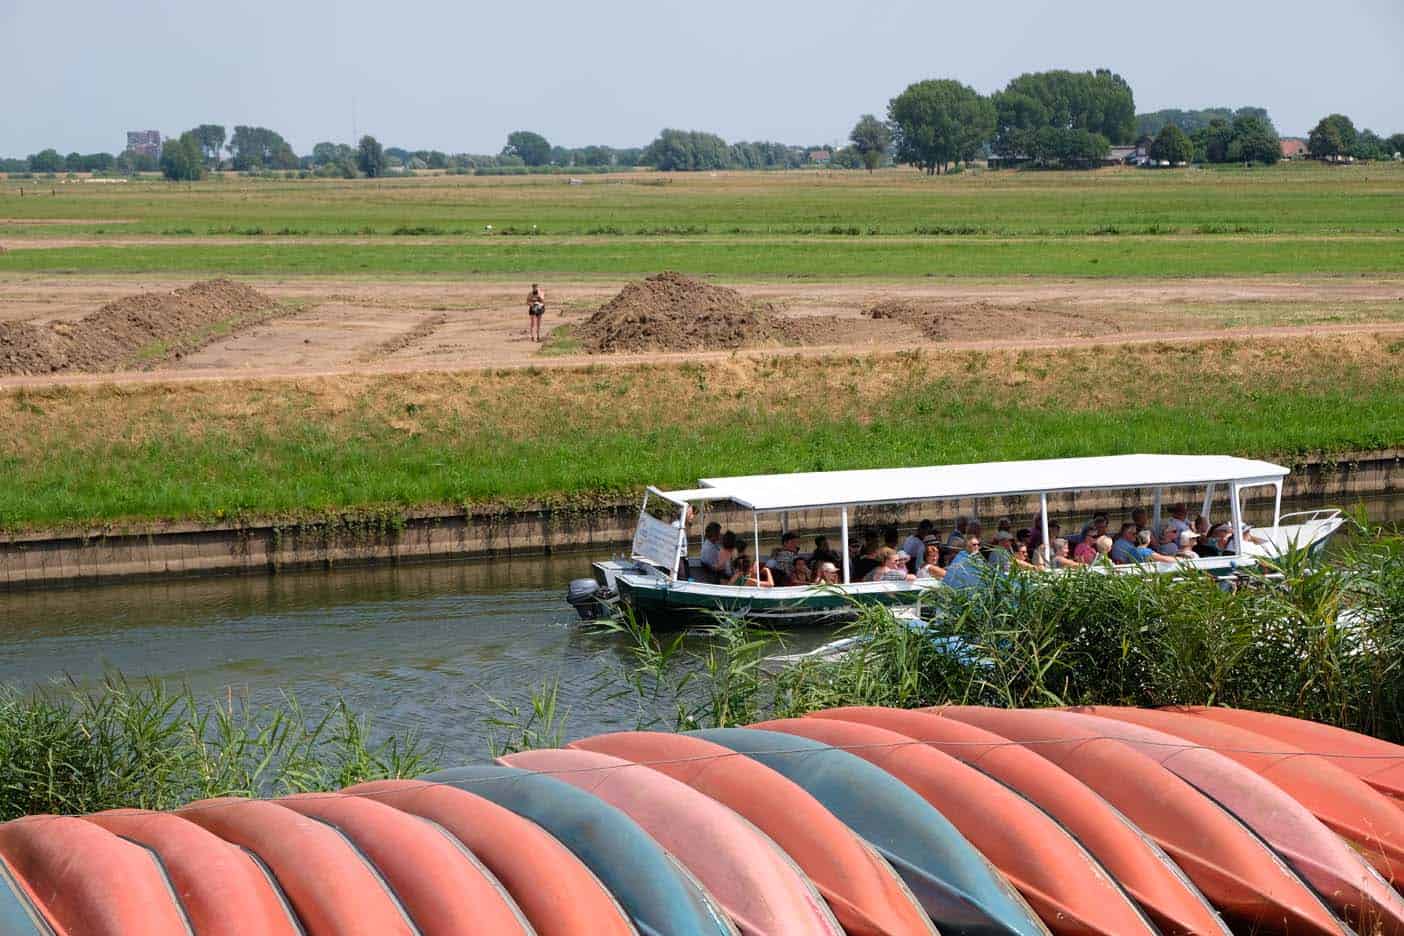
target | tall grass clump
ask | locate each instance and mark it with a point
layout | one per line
(70, 750)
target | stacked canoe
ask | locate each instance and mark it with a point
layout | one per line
(954, 820)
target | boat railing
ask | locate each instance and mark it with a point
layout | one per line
(1310, 516)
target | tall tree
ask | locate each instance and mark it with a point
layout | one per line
(1395, 143)
(871, 138)
(1099, 102)
(1254, 141)
(211, 140)
(1333, 135)
(686, 151)
(183, 159)
(1172, 146)
(47, 160)
(260, 148)
(370, 158)
(533, 148)
(938, 123)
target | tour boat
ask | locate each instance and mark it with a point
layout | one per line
(648, 581)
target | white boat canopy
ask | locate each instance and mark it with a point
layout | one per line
(802, 490)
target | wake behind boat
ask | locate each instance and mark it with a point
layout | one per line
(663, 581)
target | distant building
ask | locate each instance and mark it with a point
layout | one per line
(820, 156)
(144, 143)
(1294, 148)
(1120, 155)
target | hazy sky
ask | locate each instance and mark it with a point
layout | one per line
(458, 76)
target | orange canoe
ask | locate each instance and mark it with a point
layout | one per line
(88, 881)
(1137, 863)
(866, 895)
(222, 889)
(1320, 857)
(1378, 763)
(326, 880)
(750, 877)
(1065, 885)
(558, 895)
(1230, 865)
(441, 887)
(1361, 815)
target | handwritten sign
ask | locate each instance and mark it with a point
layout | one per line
(656, 542)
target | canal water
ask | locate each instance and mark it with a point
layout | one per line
(429, 648)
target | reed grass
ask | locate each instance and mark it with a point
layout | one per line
(69, 750)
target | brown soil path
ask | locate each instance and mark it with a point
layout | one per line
(347, 325)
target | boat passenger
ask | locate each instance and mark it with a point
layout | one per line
(1123, 551)
(726, 555)
(1251, 537)
(931, 564)
(1145, 553)
(1060, 559)
(1218, 542)
(958, 533)
(823, 553)
(828, 574)
(785, 556)
(710, 552)
(915, 544)
(1104, 548)
(868, 560)
(1188, 539)
(893, 568)
(969, 547)
(1019, 557)
(1086, 551)
(999, 557)
(1168, 543)
(1055, 529)
(799, 572)
(1201, 526)
(747, 574)
(1092, 529)
(1141, 518)
(1179, 517)
(968, 567)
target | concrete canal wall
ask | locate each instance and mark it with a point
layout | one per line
(176, 549)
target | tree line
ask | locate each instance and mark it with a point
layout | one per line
(1054, 119)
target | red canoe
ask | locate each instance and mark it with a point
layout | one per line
(1146, 873)
(90, 882)
(439, 883)
(222, 889)
(329, 884)
(1378, 763)
(866, 895)
(1323, 859)
(1229, 864)
(519, 853)
(1065, 885)
(1348, 805)
(750, 877)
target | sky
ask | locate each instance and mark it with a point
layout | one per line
(459, 76)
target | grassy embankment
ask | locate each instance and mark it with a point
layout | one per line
(1288, 219)
(80, 455)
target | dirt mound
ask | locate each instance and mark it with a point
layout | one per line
(137, 331)
(673, 312)
(975, 321)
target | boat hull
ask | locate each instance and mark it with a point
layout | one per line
(667, 604)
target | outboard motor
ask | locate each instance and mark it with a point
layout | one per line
(588, 598)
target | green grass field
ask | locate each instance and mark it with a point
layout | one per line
(1124, 222)
(304, 447)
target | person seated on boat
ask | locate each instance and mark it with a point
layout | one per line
(1085, 552)
(1123, 551)
(828, 574)
(1019, 557)
(1145, 552)
(890, 536)
(1201, 526)
(1141, 517)
(1092, 529)
(962, 522)
(973, 529)
(1025, 535)
(1061, 557)
(748, 575)
(1216, 543)
(868, 559)
(1004, 523)
(799, 573)
(1104, 548)
(915, 544)
(1168, 543)
(1055, 530)
(1249, 536)
(1003, 549)
(931, 562)
(1179, 517)
(1188, 540)
(894, 568)
(968, 567)
(785, 556)
(726, 556)
(823, 553)
(710, 553)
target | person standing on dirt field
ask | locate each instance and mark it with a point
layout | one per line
(536, 310)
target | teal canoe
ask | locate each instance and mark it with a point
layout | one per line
(955, 885)
(660, 898)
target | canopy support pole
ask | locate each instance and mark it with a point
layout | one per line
(1208, 501)
(755, 516)
(784, 523)
(1237, 513)
(1155, 512)
(1277, 505)
(843, 535)
(1043, 518)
